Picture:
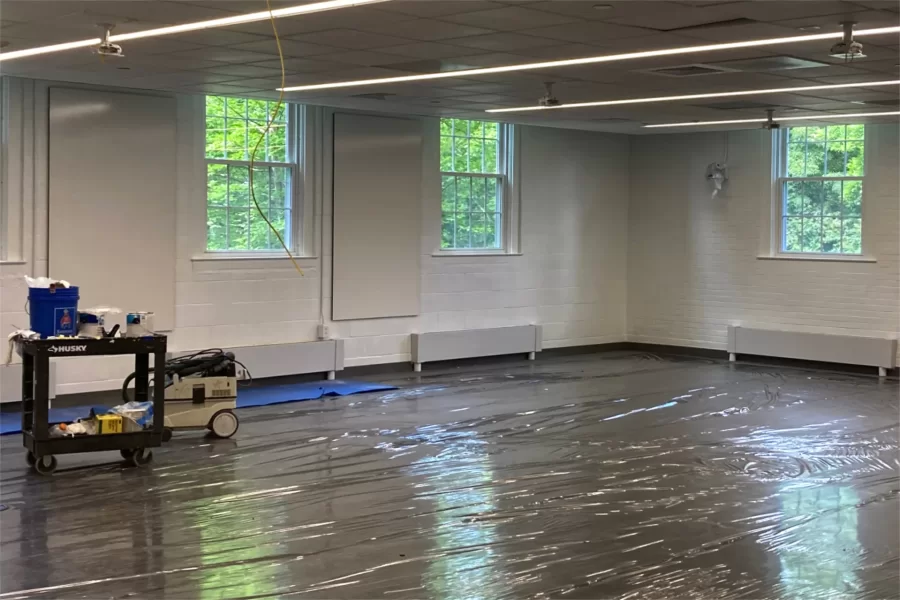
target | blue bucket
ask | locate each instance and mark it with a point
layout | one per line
(54, 311)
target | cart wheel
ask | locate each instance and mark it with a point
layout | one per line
(30, 459)
(127, 453)
(224, 424)
(140, 457)
(167, 434)
(45, 465)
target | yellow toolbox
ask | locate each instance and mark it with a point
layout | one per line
(109, 423)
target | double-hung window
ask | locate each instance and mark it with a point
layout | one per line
(475, 202)
(233, 222)
(820, 183)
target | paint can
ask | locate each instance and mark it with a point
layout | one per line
(138, 324)
(90, 323)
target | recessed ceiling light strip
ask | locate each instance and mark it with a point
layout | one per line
(779, 119)
(590, 60)
(808, 88)
(279, 13)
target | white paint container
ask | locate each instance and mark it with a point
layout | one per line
(139, 324)
(90, 323)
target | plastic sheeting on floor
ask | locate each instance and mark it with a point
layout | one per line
(607, 476)
(254, 395)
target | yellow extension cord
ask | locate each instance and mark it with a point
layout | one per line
(262, 136)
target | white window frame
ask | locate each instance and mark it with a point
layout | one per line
(509, 191)
(779, 180)
(299, 153)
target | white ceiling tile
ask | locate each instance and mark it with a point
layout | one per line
(880, 4)
(175, 61)
(290, 48)
(338, 46)
(217, 89)
(585, 10)
(855, 78)
(591, 32)
(429, 50)
(665, 16)
(510, 18)
(864, 19)
(502, 42)
(561, 52)
(738, 32)
(232, 55)
(295, 65)
(430, 8)
(789, 9)
(224, 36)
(254, 70)
(366, 58)
(426, 29)
(349, 39)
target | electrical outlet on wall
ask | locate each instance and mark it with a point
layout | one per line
(323, 331)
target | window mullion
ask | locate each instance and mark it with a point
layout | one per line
(227, 208)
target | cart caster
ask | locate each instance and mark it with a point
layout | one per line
(30, 459)
(224, 424)
(45, 465)
(167, 434)
(126, 453)
(139, 457)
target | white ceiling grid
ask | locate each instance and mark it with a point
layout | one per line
(404, 37)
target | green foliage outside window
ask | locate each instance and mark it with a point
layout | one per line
(233, 127)
(822, 195)
(471, 185)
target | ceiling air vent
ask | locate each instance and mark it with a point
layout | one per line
(770, 63)
(373, 96)
(689, 70)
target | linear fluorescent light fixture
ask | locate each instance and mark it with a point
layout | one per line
(279, 13)
(588, 60)
(806, 88)
(779, 119)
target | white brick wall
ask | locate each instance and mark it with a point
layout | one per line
(571, 276)
(693, 263)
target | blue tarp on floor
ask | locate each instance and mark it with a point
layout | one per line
(254, 395)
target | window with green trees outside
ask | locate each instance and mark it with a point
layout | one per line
(472, 184)
(822, 189)
(233, 128)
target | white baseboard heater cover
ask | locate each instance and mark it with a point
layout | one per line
(472, 343)
(11, 382)
(277, 360)
(823, 347)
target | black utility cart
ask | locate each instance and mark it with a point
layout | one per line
(134, 446)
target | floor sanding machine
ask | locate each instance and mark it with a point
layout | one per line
(201, 392)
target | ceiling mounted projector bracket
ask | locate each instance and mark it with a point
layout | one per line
(770, 122)
(107, 48)
(847, 48)
(548, 99)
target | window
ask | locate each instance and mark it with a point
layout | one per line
(233, 127)
(474, 185)
(820, 180)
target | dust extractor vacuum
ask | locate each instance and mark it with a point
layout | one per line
(201, 392)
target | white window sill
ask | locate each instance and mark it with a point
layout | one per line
(216, 256)
(12, 262)
(468, 253)
(820, 257)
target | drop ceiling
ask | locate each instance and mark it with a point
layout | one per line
(404, 37)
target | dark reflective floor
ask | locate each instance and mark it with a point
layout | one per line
(616, 475)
